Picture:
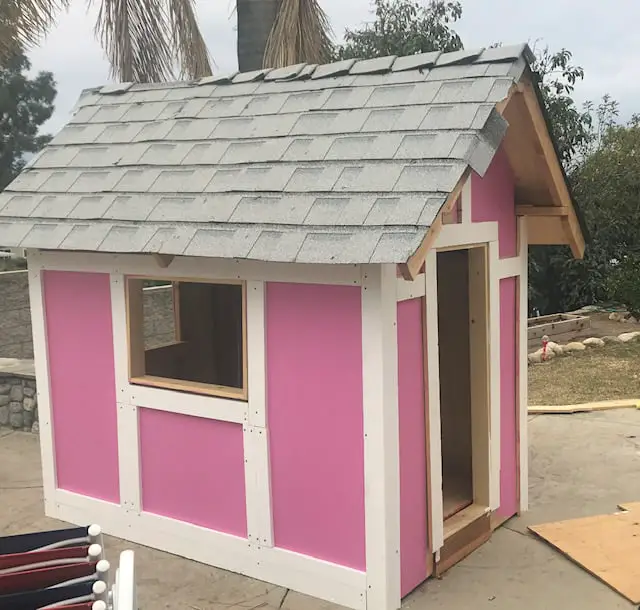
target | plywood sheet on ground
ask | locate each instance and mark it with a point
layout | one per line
(607, 546)
(585, 407)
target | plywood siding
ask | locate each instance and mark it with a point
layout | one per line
(315, 419)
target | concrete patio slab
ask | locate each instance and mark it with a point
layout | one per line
(581, 464)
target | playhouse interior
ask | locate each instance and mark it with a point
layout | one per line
(463, 351)
(206, 350)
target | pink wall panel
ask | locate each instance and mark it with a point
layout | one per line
(82, 380)
(314, 394)
(192, 470)
(413, 466)
(508, 398)
(493, 200)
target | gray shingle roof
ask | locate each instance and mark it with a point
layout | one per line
(343, 163)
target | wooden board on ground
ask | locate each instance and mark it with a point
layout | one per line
(629, 506)
(607, 546)
(585, 407)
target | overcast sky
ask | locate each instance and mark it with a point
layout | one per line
(601, 35)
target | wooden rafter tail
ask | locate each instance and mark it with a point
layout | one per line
(411, 268)
(163, 260)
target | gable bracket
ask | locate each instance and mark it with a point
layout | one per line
(569, 219)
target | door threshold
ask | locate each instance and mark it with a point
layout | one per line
(463, 518)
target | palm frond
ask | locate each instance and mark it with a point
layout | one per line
(23, 23)
(301, 33)
(188, 41)
(136, 38)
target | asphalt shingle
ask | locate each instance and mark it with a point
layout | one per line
(347, 162)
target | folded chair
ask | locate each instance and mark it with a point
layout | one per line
(61, 569)
(122, 595)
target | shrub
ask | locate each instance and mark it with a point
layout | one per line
(624, 283)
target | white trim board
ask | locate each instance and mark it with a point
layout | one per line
(494, 377)
(410, 289)
(523, 388)
(381, 435)
(196, 268)
(257, 476)
(433, 393)
(41, 363)
(321, 579)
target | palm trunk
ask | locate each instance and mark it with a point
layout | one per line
(255, 21)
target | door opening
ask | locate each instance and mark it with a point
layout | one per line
(463, 361)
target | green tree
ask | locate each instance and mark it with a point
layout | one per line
(558, 282)
(25, 104)
(404, 27)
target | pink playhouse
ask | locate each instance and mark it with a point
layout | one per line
(340, 407)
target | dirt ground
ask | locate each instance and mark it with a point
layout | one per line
(600, 326)
(603, 373)
(568, 478)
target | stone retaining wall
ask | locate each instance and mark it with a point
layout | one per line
(15, 316)
(18, 403)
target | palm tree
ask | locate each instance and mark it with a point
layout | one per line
(145, 39)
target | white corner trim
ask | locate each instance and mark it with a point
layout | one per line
(433, 393)
(183, 403)
(257, 476)
(523, 398)
(309, 576)
(465, 202)
(41, 362)
(256, 356)
(194, 268)
(410, 289)
(494, 377)
(381, 436)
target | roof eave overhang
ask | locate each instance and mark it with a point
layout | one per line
(543, 193)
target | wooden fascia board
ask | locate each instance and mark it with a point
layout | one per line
(411, 268)
(570, 221)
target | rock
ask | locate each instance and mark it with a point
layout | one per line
(29, 404)
(574, 346)
(30, 383)
(35, 428)
(537, 356)
(27, 420)
(15, 420)
(30, 392)
(4, 400)
(626, 337)
(5, 388)
(611, 339)
(16, 393)
(632, 320)
(4, 415)
(615, 316)
(15, 407)
(590, 342)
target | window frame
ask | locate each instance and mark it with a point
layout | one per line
(135, 339)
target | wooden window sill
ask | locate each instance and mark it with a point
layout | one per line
(192, 387)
